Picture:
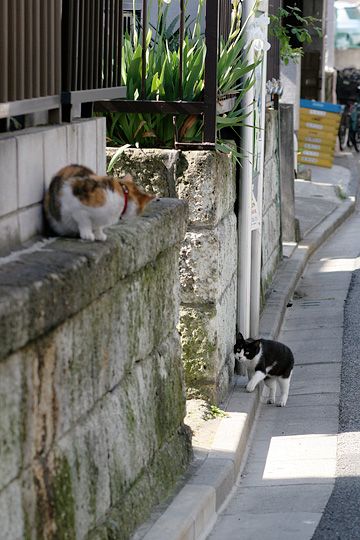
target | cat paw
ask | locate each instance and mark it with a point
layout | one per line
(101, 236)
(250, 387)
(270, 401)
(87, 236)
(281, 403)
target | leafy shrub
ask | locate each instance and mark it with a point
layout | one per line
(234, 75)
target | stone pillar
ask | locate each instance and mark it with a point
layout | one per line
(208, 265)
(208, 257)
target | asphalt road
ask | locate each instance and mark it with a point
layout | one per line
(341, 518)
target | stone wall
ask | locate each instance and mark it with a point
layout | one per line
(28, 160)
(271, 228)
(208, 257)
(91, 381)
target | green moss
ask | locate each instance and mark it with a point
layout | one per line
(198, 352)
(170, 403)
(63, 501)
(152, 486)
(130, 418)
(27, 525)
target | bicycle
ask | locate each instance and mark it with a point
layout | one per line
(354, 127)
(344, 127)
(349, 129)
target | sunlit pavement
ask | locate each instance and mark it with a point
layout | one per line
(291, 467)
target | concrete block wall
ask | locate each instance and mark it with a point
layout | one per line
(287, 172)
(28, 160)
(271, 227)
(208, 256)
(91, 381)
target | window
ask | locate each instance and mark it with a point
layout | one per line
(353, 12)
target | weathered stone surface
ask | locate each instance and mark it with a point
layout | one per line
(198, 337)
(91, 427)
(208, 255)
(207, 336)
(207, 181)
(208, 261)
(11, 512)
(32, 285)
(153, 169)
(11, 419)
(226, 315)
(127, 441)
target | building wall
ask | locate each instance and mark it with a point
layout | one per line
(28, 160)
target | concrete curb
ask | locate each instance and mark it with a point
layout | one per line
(193, 511)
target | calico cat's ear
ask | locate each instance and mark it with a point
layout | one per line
(128, 178)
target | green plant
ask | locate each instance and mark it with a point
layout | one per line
(212, 411)
(235, 78)
(286, 33)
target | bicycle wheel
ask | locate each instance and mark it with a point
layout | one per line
(344, 128)
(342, 136)
(354, 140)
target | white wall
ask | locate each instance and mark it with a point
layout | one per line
(28, 160)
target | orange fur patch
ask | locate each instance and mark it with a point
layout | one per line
(136, 194)
(89, 191)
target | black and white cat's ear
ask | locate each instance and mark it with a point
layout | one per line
(239, 337)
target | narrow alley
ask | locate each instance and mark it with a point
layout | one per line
(297, 462)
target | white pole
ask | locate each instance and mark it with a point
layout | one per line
(324, 52)
(244, 216)
(255, 296)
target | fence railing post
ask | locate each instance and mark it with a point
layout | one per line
(210, 91)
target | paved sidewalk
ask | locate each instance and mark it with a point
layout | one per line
(291, 468)
(221, 445)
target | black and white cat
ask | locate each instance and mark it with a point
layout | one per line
(268, 361)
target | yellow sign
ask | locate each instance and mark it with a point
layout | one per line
(319, 124)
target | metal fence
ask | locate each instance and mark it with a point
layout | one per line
(67, 53)
(217, 21)
(92, 32)
(29, 56)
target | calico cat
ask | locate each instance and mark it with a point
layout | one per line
(78, 202)
(268, 361)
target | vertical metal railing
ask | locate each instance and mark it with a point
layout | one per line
(29, 55)
(210, 91)
(273, 56)
(91, 49)
(91, 52)
(217, 22)
(73, 48)
(225, 8)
